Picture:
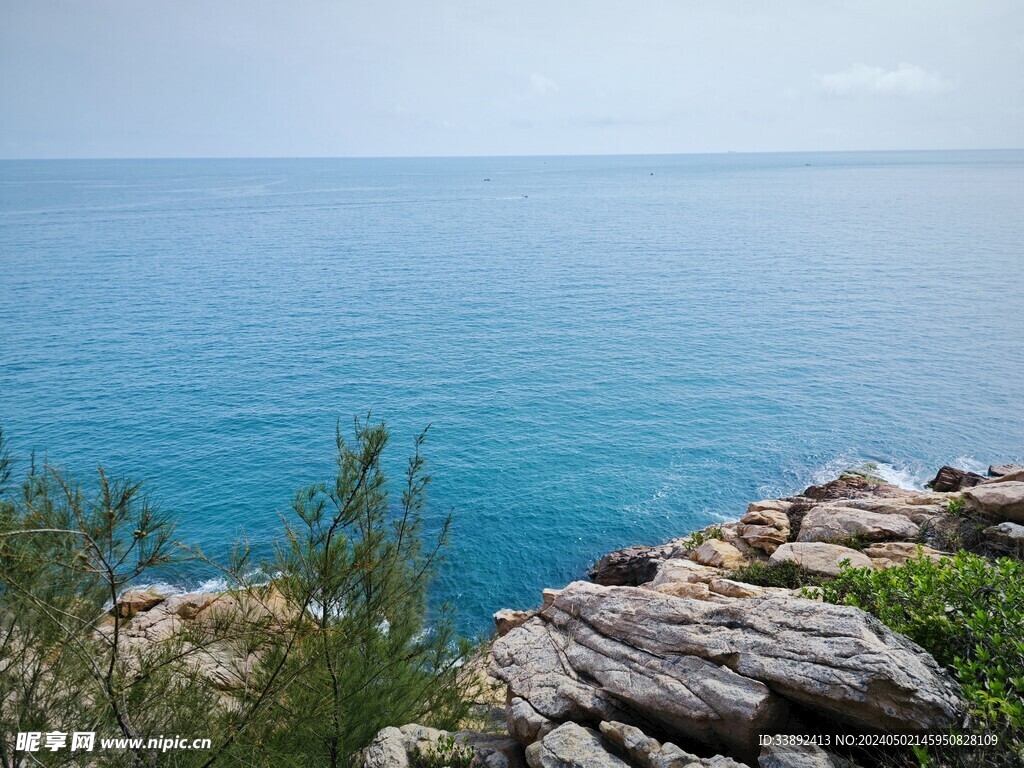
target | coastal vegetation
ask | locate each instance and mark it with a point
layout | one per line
(299, 669)
(967, 612)
(328, 652)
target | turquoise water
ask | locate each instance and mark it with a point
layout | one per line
(610, 351)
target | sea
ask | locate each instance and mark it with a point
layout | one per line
(608, 351)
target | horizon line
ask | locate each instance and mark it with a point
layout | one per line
(509, 156)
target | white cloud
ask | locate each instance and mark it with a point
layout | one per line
(906, 79)
(542, 85)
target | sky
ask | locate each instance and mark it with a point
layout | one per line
(330, 78)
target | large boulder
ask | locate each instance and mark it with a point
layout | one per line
(893, 553)
(645, 752)
(764, 528)
(718, 554)
(571, 746)
(1002, 470)
(720, 673)
(919, 509)
(854, 485)
(1000, 500)
(633, 566)
(1015, 476)
(680, 570)
(953, 479)
(1006, 538)
(835, 523)
(820, 558)
(387, 750)
(137, 601)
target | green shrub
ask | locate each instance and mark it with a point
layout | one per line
(968, 612)
(786, 574)
(957, 506)
(697, 538)
(448, 752)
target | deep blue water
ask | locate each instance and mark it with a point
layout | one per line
(610, 350)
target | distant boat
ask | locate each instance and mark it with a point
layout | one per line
(487, 179)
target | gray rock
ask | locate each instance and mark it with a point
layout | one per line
(568, 670)
(524, 722)
(853, 485)
(719, 673)
(571, 746)
(916, 508)
(1016, 476)
(387, 750)
(1006, 537)
(800, 756)
(679, 570)
(730, 588)
(832, 523)
(819, 557)
(633, 566)
(1001, 470)
(645, 752)
(1001, 500)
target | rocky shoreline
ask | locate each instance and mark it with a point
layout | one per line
(667, 659)
(672, 656)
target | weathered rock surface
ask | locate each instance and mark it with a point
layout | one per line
(645, 752)
(1007, 538)
(765, 505)
(136, 601)
(917, 508)
(895, 553)
(1001, 500)
(571, 746)
(730, 588)
(718, 554)
(854, 485)
(764, 528)
(820, 558)
(678, 571)
(506, 619)
(1001, 470)
(953, 479)
(387, 750)
(395, 747)
(719, 673)
(835, 523)
(800, 756)
(633, 566)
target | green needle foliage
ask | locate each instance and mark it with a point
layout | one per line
(364, 656)
(339, 644)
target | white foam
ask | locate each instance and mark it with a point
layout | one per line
(902, 477)
(911, 477)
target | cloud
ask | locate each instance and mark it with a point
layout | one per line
(906, 79)
(542, 85)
